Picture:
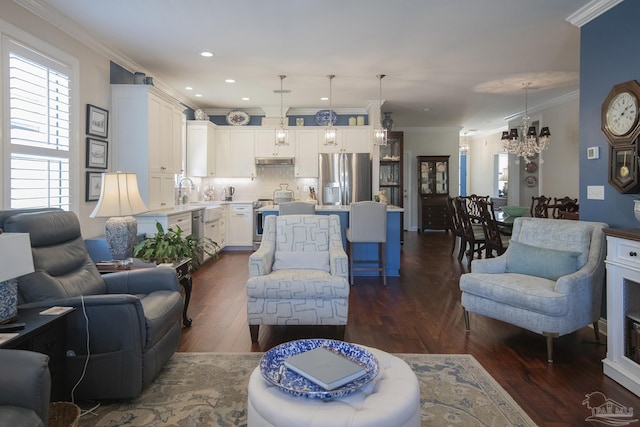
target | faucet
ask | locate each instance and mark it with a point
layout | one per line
(184, 199)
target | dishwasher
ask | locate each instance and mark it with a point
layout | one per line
(197, 223)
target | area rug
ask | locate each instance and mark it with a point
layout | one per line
(210, 389)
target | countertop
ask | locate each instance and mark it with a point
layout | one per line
(193, 206)
(331, 208)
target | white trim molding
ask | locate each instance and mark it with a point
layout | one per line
(590, 11)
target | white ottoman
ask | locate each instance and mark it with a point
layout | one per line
(391, 400)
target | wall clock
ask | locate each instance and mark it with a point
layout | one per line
(623, 168)
(238, 118)
(621, 113)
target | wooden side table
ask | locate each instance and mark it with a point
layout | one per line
(45, 334)
(183, 272)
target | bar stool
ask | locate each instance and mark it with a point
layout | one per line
(297, 208)
(368, 224)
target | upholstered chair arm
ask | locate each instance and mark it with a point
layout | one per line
(496, 265)
(142, 281)
(261, 261)
(338, 260)
(116, 322)
(25, 381)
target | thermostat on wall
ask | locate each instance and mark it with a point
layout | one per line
(593, 153)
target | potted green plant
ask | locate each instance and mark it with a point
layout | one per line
(172, 245)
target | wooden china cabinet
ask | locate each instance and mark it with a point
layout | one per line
(433, 190)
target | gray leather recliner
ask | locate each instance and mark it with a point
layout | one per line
(133, 316)
(25, 388)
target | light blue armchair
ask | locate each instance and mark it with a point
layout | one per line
(298, 276)
(549, 280)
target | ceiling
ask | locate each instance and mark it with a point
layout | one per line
(459, 63)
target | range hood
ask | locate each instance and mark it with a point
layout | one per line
(274, 161)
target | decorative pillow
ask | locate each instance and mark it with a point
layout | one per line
(541, 262)
(286, 260)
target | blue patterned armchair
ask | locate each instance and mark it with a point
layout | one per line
(548, 281)
(298, 276)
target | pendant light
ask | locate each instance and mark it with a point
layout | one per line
(282, 135)
(380, 133)
(330, 131)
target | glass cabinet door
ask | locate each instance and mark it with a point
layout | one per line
(426, 177)
(390, 180)
(441, 178)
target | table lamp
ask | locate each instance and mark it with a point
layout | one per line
(119, 201)
(15, 253)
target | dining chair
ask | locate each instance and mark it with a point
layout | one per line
(457, 231)
(474, 236)
(494, 239)
(540, 206)
(565, 208)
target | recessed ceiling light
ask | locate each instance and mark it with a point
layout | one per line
(198, 95)
(246, 98)
(324, 98)
(206, 54)
(229, 81)
(188, 88)
(427, 109)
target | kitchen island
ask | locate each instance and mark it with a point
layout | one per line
(365, 251)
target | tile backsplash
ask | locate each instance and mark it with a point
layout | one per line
(268, 180)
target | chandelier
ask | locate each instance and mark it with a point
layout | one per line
(526, 144)
(380, 133)
(330, 131)
(281, 133)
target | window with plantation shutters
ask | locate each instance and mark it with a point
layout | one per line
(39, 131)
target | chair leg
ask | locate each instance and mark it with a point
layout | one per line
(382, 253)
(549, 349)
(350, 252)
(253, 330)
(465, 314)
(463, 247)
(596, 330)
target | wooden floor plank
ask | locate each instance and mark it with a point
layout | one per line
(419, 312)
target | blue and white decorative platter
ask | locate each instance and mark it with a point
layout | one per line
(274, 371)
(322, 117)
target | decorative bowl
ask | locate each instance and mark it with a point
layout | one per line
(515, 211)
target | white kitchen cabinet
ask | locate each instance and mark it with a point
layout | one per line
(265, 144)
(306, 150)
(235, 153)
(623, 308)
(147, 222)
(201, 148)
(351, 139)
(162, 193)
(240, 224)
(147, 129)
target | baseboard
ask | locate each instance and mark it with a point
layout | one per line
(602, 326)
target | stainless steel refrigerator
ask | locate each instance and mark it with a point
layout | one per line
(344, 178)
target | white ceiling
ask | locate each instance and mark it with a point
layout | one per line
(463, 60)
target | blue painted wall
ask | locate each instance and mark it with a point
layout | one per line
(609, 54)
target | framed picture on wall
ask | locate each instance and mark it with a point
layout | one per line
(97, 121)
(97, 152)
(94, 186)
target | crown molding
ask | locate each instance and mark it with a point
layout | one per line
(70, 28)
(590, 11)
(571, 96)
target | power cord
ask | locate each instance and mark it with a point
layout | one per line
(86, 361)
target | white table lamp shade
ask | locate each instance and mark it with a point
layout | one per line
(119, 196)
(119, 201)
(15, 261)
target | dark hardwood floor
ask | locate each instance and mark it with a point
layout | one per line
(418, 312)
